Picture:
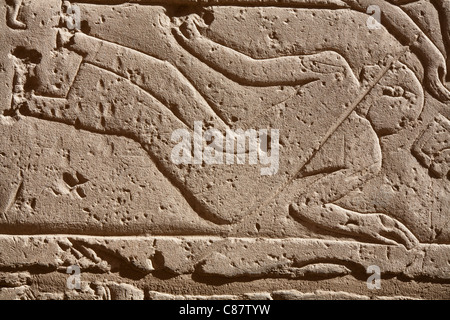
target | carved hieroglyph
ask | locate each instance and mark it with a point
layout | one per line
(93, 93)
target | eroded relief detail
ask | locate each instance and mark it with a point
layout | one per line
(432, 148)
(359, 166)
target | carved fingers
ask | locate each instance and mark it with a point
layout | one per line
(12, 15)
(386, 229)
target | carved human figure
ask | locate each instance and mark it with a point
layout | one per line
(354, 155)
(132, 113)
(394, 17)
(127, 100)
(351, 156)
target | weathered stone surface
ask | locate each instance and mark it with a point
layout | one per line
(226, 149)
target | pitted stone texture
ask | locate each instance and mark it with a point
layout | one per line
(106, 163)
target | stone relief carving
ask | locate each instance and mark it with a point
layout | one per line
(88, 115)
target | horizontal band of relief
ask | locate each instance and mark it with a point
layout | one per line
(223, 257)
(261, 3)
